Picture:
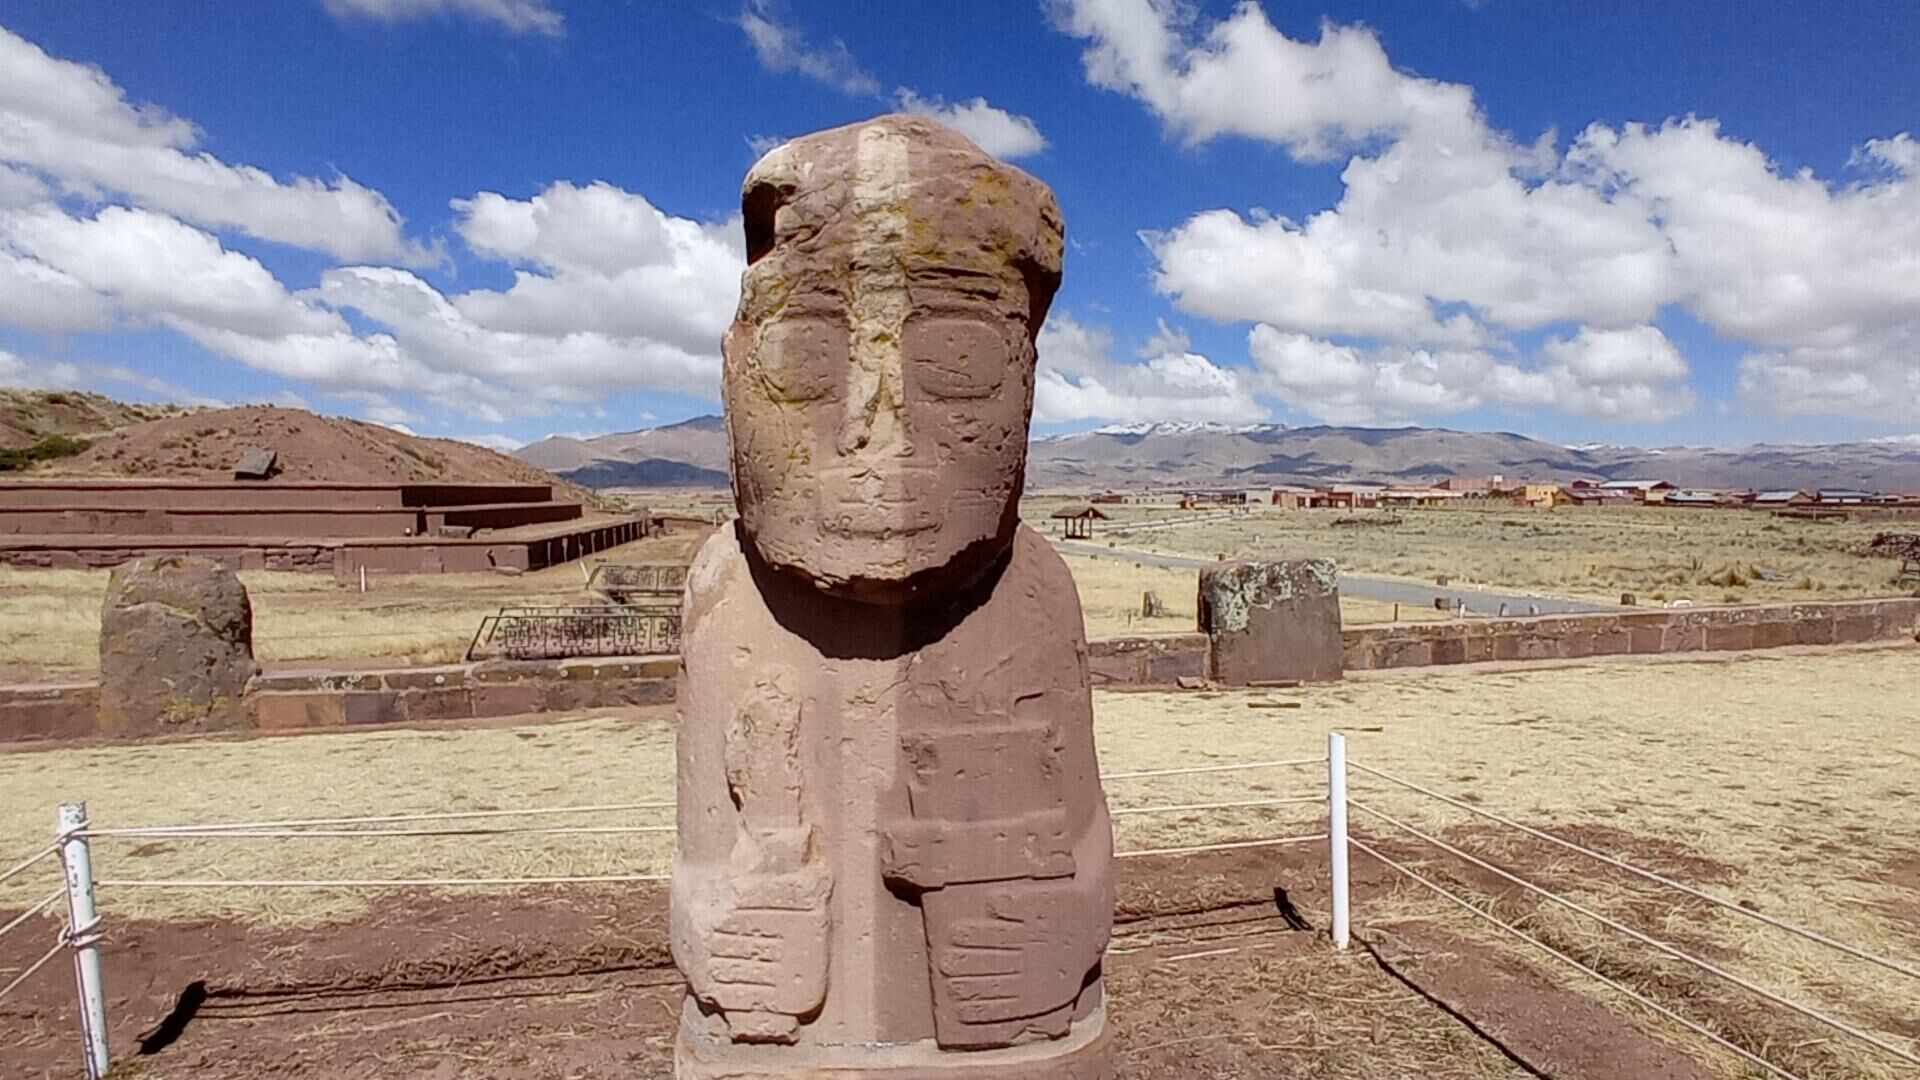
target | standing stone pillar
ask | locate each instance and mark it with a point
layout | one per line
(176, 647)
(895, 859)
(1272, 620)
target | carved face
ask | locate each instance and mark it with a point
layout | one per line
(879, 375)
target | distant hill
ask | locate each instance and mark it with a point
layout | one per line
(1149, 454)
(693, 453)
(206, 443)
(1139, 455)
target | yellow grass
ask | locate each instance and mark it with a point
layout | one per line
(50, 619)
(1112, 588)
(1795, 773)
(1658, 554)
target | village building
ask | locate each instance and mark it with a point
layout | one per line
(1419, 497)
(1647, 491)
(1483, 486)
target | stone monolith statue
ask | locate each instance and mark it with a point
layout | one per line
(895, 859)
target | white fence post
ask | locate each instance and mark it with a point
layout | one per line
(1337, 837)
(83, 929)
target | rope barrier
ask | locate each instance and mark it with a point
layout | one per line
(1648, 875)
(33, 967)
(30, 861)
(386, 819)
(367, 883)
(1720, 973)
(1213, 768)
(36, 909)
(1570, 961)
(1290, 801)
(192, 832)
(1222, 847)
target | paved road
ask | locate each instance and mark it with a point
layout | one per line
(1388, 590)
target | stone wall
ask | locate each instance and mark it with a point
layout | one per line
(49, 711)
(1148, 658)
(342, 557)
(1648, 632)
(290, 700)
(316, 699)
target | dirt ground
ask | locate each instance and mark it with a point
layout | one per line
(1786, 782)
(1219, 969)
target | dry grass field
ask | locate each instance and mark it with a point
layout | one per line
(1111, 591)
(1785, 781)
(50, 619)
(1708, 556)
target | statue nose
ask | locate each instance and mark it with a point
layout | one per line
(875, 424)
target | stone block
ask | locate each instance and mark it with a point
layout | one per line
(48, 712)
(1171, 666)
(176, 648)
(510, 699)
(1114, 668)
(371, 707)
(1683, 636)
(1773, 634)
(1272, 620)
(278, 710)
(1727, 637)
(440, 703)
(1449, 650)
(1856, 628)
(1406, 652)
(1646, 640)
(1814, 628)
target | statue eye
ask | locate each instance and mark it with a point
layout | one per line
(957, 358)
(798, 358)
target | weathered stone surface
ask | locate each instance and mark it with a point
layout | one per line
(1273, 620)
(894, 859)
(64, 711)
(176, 647)
(879, 373)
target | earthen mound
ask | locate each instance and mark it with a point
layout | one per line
(205, 445)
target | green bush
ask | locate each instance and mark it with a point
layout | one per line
(47, 449)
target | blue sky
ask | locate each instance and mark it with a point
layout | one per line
(498, 219)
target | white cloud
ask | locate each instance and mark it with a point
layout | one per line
(1079, 379)
(1630, 375)
(782, 47)
(154, 265)
(1449, 235)
(997, 131)
(1245, 77)
(601, 260)
(69, 123)
(520, 16)
(610, 294)
(39, 374)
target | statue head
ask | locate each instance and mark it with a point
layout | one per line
(879, 373)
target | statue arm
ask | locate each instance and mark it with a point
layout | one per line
(750, 921)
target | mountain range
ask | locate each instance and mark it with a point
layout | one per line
(693, 453)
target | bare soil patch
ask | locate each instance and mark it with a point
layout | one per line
(1219, 969)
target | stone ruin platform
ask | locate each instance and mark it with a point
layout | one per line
(314, 526)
